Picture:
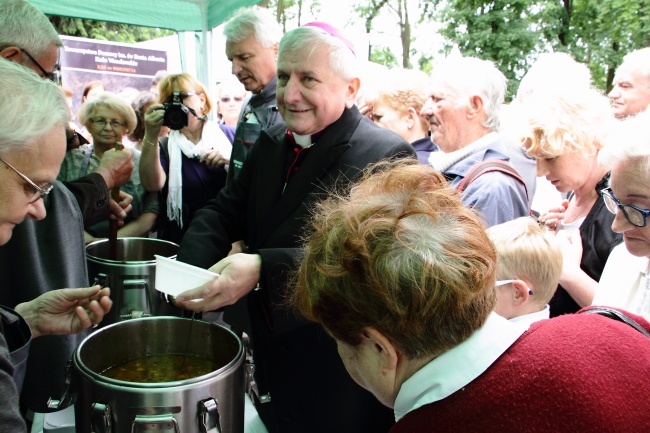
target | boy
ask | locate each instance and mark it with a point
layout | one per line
(529, 264)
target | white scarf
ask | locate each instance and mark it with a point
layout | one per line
(442, 161)
(212, 138)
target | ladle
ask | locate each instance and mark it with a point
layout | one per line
(187, 344)
(112, 236)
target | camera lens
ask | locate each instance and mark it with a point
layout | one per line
(175, 116)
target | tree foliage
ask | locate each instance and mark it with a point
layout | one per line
(383, 56)
(291, 13)
(498, 30)
(598, 33)
(399, 9)
(368, 11)
(513, 33)
(106, 31)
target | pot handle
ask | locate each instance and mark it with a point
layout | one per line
(154, 422)
(101, 418)
(135, 300)
(102, 280)
(209, 420)
(251, 385)
(66, 399)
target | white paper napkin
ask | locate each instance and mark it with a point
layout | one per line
(174, 278)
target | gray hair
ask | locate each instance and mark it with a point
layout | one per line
(112, 102)
(24, 26)
(30, 106)
(253, 21)
(341, 58)
(628, 141)
(638, 61)
(557, 72)
(469, 76)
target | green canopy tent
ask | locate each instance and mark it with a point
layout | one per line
(179, 15)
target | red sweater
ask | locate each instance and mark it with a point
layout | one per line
(574, 373)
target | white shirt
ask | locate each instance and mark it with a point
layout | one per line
(459, 366)
(625, 282)
(530, 318)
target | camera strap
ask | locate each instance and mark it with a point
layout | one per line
(191, 110)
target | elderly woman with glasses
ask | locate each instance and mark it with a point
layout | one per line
(565, 132)
(625, 282)
(402, 276)
(232, 95)
(108, 118)
(32, 146)
(189, 165)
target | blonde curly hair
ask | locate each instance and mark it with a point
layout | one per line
(554, 124)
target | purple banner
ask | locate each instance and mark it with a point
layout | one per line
(121, 67)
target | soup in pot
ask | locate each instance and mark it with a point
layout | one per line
(161, 368)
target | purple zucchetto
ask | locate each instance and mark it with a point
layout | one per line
(333, 31)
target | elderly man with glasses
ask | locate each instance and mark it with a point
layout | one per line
(32, 146)
(46, 254)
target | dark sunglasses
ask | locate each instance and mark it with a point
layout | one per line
(226, 99)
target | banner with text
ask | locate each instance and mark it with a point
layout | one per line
(120, 67)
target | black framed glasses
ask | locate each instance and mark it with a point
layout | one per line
(39, 192)
(634, 214)
(54, 76)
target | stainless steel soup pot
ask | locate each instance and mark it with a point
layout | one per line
(210, 403)
(131, 275)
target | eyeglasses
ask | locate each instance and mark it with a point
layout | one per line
(635, 215)
(101, 122)
(504, 282)
(54, 76)
(38, 191)
(226, 99)
(182, 96)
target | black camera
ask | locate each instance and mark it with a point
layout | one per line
(176, 114)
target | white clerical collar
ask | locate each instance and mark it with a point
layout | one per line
(302, 140)
(530, 318)
(459, 366)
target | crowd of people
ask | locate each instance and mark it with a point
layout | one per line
(382, 242)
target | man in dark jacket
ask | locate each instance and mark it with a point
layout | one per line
(252, 38)
(49, 254)
(326, 143)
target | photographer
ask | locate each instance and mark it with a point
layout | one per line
(189, 165)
